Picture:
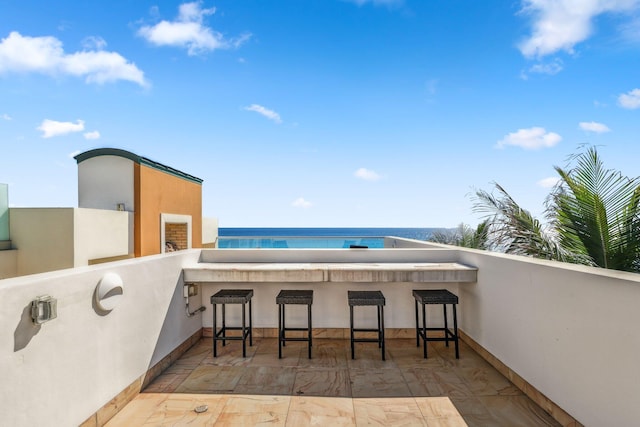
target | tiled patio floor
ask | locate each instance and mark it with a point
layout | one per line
(331, 389)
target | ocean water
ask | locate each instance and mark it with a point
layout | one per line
(409, 233)
(231, 238)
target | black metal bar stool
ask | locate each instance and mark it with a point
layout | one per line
(367, 298)
(232, 296)
(293, 297)
(436, 296)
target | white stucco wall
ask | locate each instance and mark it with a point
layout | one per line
(43, 238)
(571, 331)
(101, 233)
(61, 372)
(105, 181)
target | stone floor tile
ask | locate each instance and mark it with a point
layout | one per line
(266, 380)
(388, 412)
(322, 382)
(138, 410)
(295, 391)
(517, 411)
(325, 354)
(320, 411)
(378, 383)
(212, 379)
(422, 382)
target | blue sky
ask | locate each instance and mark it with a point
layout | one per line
(321, 113)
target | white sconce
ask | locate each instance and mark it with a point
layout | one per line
(43, 309)
(109, 292)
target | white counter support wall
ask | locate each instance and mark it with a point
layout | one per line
(330, 273)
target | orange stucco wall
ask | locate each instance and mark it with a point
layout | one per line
(158, 192)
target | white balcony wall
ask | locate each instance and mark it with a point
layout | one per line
(101, 233)
(61, 372)
(571, 331)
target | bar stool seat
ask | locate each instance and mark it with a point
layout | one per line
(232, 296)
(293, 296)
(367, 298)
(436, 296)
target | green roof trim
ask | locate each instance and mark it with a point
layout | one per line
(135, 158)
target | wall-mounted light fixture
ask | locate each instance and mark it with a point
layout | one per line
(109, 292)
(43, 309)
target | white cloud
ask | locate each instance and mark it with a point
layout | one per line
(530, 139)
(94, 42)
(92, 135)
(561, 24)
(366, 174)
(6, 117)
(548, 182)
(45, 55)
(630, 100)
(239, 41)
(631, 30)
(551, 68)
(594, 127)
(188, 31)
(51, 128)
(74, 153)
(269, 114)
(300, 202)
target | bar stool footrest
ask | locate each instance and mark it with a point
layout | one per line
(219, 335)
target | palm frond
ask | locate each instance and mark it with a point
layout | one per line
(514, 230)
(598, 209)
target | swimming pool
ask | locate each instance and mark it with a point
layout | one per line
(286, 242)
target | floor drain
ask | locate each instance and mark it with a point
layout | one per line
(200, 409)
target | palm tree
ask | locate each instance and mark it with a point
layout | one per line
(464, 235)
(515, 230)
(593, 218)
(596, 212)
